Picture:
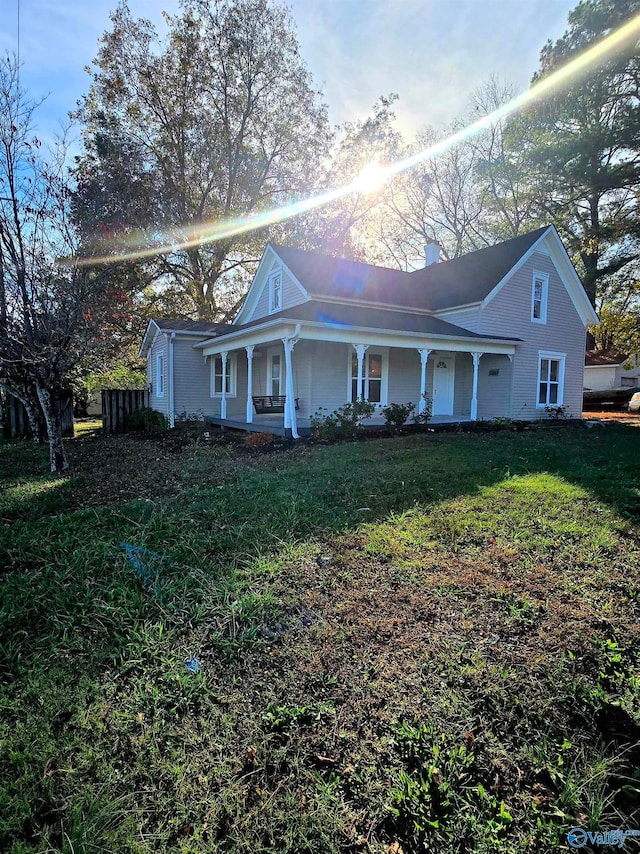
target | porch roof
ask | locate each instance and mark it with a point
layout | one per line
(345, 316)
(329, 321)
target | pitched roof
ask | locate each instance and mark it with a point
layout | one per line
(343, 315)
(206, 327)
(472, 277)
(604, 358)
(464, 280)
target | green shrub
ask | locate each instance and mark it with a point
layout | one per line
(425, 416)
(345, 421)
(396, 414)
(557, 413)
(324, 428)
(146, 419)
(350, 417)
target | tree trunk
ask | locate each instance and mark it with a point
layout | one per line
(52, 417)
(28, 397)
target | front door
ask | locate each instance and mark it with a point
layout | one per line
(443, 373)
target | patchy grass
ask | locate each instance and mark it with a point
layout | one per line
(419, 643)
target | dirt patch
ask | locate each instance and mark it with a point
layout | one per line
(142, 465)
(610, 417)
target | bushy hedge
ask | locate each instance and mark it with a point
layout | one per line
(146, 419)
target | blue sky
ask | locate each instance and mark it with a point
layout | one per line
(433, 53)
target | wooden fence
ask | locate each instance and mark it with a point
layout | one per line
(15, 423)
(117, 404)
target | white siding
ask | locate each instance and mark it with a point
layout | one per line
(160, 346)
(494, 392)
(509, 313)
(463, 384)
(329, 366)
(237, 405)
(191, 374)
(468, 318)
(404, 377)
(603, 377)
(291, 293)
(600, 377)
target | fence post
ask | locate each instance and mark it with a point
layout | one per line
(117, 404)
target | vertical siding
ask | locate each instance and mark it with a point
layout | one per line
(468, 318)
(510, 313)
(291, 293)
(160, 346)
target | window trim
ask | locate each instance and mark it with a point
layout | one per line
(159, 374)
(232, 373)
(544, 296)
(273, 277)
(384, 385)
(555, 357)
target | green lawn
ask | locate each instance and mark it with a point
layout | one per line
(426, 643)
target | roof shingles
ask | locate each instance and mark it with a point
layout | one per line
(464, 280)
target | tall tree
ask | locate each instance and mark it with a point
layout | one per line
(507, 189)
(583, 145)
(218, 119)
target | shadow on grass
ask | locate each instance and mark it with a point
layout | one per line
(72, 610)
(65, 574)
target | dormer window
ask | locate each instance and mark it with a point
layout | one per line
(539, 293)
(275, 292)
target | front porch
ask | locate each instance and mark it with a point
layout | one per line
(317, 371)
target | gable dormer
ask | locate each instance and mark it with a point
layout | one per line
(274, 289)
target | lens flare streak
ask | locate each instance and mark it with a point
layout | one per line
(187, 237)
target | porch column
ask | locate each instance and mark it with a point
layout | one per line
(223, 396)
(424, 357)
(360, 349)
(474, 395)
(289, 401)
(249, 383)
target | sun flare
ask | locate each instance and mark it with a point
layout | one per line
(372, 178)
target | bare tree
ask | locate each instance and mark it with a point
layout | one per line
(50, 313)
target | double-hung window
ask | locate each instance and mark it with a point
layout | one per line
(275, 292)
(550, 379)
(216, 376)
(160, 375)
(539, 296)
(374, 369)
